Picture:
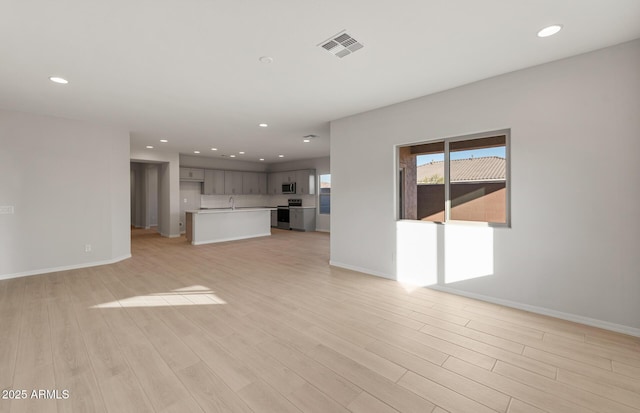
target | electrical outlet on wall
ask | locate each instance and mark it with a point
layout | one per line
(87, 247)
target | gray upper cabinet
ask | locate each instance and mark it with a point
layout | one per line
(233, 182)
(274, 185)
(250, 183)
(218, 182)
(192, 174)
(305, 182)
(213, 182)
(287, 177)
(262, 183)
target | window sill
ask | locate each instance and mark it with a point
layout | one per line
(458, 223)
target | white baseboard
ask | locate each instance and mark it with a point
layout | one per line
(544, 311)
(63, 268)
(322, 230)
(619, 328)
(360, 269)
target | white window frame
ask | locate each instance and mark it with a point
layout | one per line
(320, 194)
(447, 183)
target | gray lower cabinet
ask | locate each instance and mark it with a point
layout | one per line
(274, 218)
(302, 219)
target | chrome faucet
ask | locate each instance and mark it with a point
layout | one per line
(232, 202)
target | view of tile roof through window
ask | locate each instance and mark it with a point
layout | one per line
(490, 168)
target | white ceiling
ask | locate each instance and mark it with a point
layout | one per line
(188, 70)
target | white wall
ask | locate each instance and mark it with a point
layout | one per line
(572, 250)
(69, 184)
(322, 167)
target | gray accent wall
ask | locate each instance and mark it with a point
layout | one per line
(69, 184)
(572, 249)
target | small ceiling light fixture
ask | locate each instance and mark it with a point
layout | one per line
(266, 59)
(149, 147)
(307, 138)
(232, 156)
(550, 30)
(164, 140)
(241, 153)
(263, 125)
(196, 151)
(262, 159)
(57, 79)
(280, 156)
(214, 149)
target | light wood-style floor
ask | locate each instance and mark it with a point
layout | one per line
(265, 325)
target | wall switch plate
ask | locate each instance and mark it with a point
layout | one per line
(6, 209)
(87, 248)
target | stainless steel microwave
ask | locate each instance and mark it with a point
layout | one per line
(289, 188)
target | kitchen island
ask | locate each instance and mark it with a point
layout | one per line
(206, 226)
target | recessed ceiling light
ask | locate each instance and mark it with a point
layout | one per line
(306, 140)
(263, 125)
(266, 59)
(262, 159)
(550, 30)
(196, 151)
(57, 79)
(280, 156)
(149, 147)
(232, 156)
(214, 149)
(241, 153)
(164, 140)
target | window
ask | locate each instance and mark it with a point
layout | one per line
(456, 179)
(325, 194)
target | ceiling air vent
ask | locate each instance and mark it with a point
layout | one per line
(341, 44)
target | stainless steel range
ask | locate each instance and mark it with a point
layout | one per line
(283, 213)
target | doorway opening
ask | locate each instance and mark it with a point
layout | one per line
(145, 196)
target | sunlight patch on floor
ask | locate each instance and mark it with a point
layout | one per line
(193, 295)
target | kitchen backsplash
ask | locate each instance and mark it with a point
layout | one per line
(222, 201)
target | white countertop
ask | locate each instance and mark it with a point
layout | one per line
(302, 207)
(228, 210)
